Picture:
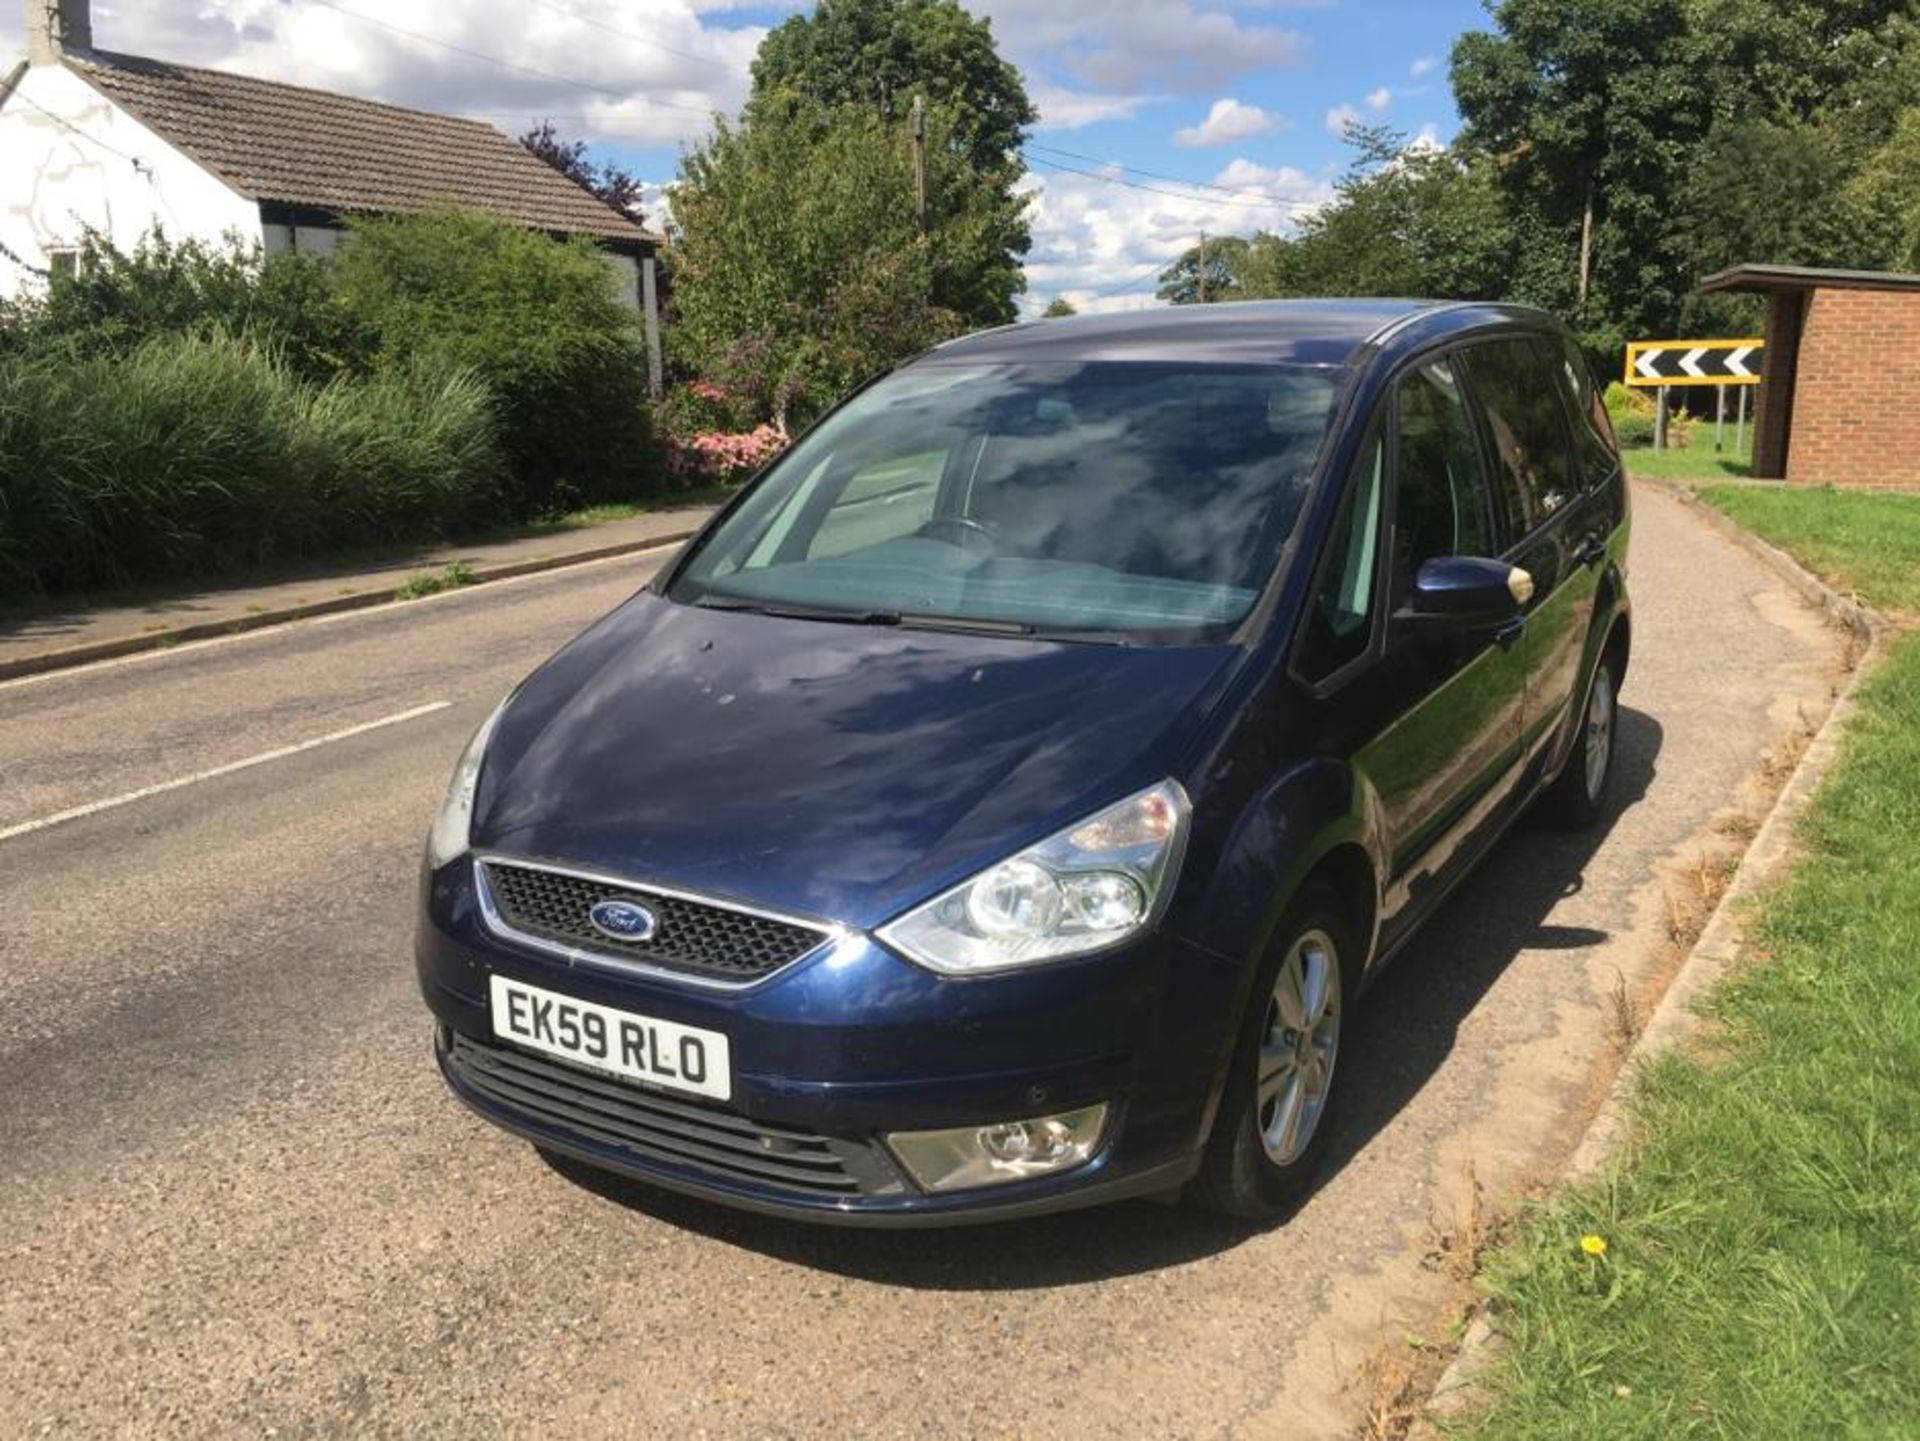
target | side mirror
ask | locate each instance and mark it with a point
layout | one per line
(1468, 589)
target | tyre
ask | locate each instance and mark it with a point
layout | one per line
(1578, 796)
(1284, 1082)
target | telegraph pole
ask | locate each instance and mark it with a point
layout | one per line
(1203, 267)
(920, 161)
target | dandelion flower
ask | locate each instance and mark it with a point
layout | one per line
(1594, 1245)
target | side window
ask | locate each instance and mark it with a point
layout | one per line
(1595, 450)
(882, 501)
(1526, 420)
(1339, 623)
(1443, 507)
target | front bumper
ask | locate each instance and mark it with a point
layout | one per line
(842, 1049)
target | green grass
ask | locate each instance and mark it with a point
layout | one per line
(1698, 461)
(1869, 544)
(626, 509)
(1762, 1266)
(431, 582)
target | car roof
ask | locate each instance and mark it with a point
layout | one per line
(1255, 332)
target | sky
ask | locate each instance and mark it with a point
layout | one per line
(1158, 118)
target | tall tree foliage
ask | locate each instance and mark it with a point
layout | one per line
(873, 57)
(799, 269)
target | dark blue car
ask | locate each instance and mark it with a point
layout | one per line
(1003, 802)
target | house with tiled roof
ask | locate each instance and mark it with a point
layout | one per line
(94, 141)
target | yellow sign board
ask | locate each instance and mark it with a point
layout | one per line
(1694, 362)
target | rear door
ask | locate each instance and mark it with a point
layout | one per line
(1516, 386)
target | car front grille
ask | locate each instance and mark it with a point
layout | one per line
(649, 1127)
(694, 937)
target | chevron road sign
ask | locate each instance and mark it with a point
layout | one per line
(1694, 362)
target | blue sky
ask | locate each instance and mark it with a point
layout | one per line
(1234, 105)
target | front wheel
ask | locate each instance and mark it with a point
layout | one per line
(1274, 1118)
(1578, 796)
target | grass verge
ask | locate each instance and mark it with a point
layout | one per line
(1751, 1267)
(431, 582)
(1698, 461)
(1868, 544)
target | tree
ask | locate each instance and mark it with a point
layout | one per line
(799, 267)
(1590, 114)
(1180, 281)
(613, 183)
(1058, 308)
(1639, 144)
(872, 57)
(880, 53)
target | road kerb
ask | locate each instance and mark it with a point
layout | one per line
(67, 657)
(1713, 955)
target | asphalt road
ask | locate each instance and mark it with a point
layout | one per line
(234, 1198)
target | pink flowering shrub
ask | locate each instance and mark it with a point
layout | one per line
(727, 457)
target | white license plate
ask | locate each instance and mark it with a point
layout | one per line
(661, 1053)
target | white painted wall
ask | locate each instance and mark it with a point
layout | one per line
(68, 163)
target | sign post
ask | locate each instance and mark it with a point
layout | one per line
(1658, 364)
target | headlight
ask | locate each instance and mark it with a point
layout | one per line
(1091, 886)
(452, 826)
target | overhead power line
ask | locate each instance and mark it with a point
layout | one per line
(570, 13)
(1150, 271)
(1244, 197)
(1264, 201)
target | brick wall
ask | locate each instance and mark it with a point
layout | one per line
(1856, 398)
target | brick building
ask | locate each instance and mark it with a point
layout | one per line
(1841, 378)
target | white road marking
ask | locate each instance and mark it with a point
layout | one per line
(462, 592)
(278, 753)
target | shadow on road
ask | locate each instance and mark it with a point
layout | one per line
(1406, 1028)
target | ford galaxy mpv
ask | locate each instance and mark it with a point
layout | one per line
(1003, 802)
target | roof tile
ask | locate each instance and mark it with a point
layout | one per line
(271, 141)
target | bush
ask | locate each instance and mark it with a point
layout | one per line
(537, 321)
(1633, 430)
(191, 455)
(114, 301)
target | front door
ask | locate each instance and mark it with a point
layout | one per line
(1444, 770)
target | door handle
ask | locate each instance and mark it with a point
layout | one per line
(1592, 551)
(1509, 634)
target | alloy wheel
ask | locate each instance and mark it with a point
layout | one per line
(1600, 718)
(1298, 1047)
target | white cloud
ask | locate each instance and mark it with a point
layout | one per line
(1063, 108)
(1103, 245)
(1228, 121)
(1131, 46)
(1422, 67)
(1341, 119)
(1428, 139)
(648, 75)
(1379, 100)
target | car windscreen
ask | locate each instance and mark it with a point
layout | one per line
(1097, 497)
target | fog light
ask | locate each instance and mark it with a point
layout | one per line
(1006, 1151)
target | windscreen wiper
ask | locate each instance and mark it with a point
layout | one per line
(978, 625)
(799, 612)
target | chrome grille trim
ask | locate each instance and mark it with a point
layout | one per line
(634, 962)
